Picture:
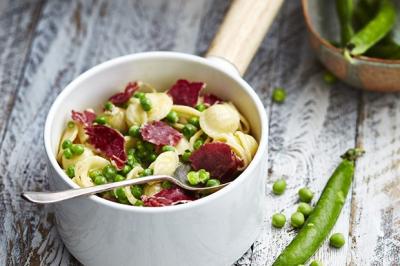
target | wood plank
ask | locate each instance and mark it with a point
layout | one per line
(72, 36)
(308, 133)
(375, 215)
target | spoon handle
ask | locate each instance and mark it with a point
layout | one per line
(52, 197)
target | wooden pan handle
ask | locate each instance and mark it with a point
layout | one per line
(242, 31)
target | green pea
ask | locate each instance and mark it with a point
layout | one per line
(146, 172)
(337, 240)
(213, 182)
(172, 117)
(195, 121)
(166, 184)
(120, 195)
(305, 209)
(145, 103)
(77, 149)
(137, 191)
(189, 130)
(118, 178)
(139, 203)
(201, 107)
(67, 153)
(279, 95)
(109, 172)
(204, 176)
(148, 146)
(193, 178)
(329, 78)
(139, 95)
(131, 160)
(198, 143)
(305, 195)
(186, 155)
(167, 148)
(70, 171)
(108, 106)
(134, 131)
(139, 145)
(100, 180)
(297, 219)
(101, 120)
(131, 151)
(278, 220)
(316, 263)
(71, 124)
(66, 144)
(126, 169)
(94, 172)
(279, 187)
(151, 157)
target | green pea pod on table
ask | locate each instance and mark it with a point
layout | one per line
(374, 31)
(324, 216)
(345, 14)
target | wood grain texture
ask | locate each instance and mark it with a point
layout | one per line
(317, 123)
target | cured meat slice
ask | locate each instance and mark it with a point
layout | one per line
(86, 118)
(167, 197)
(185, 92)
(159, 133)
(109, 142)
(211, 99)
(218, 159)
(122, 97)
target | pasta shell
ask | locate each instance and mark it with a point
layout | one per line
(248, 143)
(69, 134)
(166, 163)
(152, 189)
(82, 168)
(185, 111)
(182, 146)
(75, 159)
(161, 106)
(219, 119)
(134, 173)
(135, 115)
(116, 119)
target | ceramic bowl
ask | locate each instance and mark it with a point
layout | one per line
(364, 72)
(214, 230)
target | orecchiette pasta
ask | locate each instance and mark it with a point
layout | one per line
(135, 115)
(82, 168)
(72, 161)
(69, 134)
(161, 103)
(134, 173)
(166, 163)
(185, 111)
(116, 119)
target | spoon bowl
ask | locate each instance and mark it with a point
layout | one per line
(374, 74)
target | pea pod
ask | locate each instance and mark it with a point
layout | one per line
(374, 31)
(324, 216)
(345, 13)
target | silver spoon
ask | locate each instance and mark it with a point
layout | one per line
(178, 179)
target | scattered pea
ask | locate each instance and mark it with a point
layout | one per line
(120, 195)
(137, 191)
(297, 219)
(305, 195)
(186, 155)
(131, 152)
(329, 78)
(189, 130)
(70, 124)
(279, 187)
(139, 203)
(278, 220)
(193, 178)
(94, 172)
(316, 263)
(118, 178)
(201, 107)
(66, 144)
(126, 169)
(166, 184)
(204, 176)
(213, 182)
(194, 120)
(279, 95)
(108, 106)
(77, 149)
(151, 157)
(172, 117)
(145, 103)
(70, 171)
(139, 95)
(305, 209)
(198, 143)
(148, 146)
(134, 131)
(109, 172)
(131, 160)
(146, 172)
(101, 120)
(168, 148)
(100, 180)
(337, 240)
(67, 153)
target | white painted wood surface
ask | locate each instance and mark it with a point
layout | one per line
(44, 45)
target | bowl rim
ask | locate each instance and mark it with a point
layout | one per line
(74, 84)
(328, 45)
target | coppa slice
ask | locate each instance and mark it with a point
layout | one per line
(109, 142)
(159, 133)
(218, 159)
(166, 197)
(211, 99)
(123, 97)
(86, 118)
(185, 92)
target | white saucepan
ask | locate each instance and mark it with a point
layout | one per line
(214, 230)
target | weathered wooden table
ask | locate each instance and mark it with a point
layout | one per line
(46, 44)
